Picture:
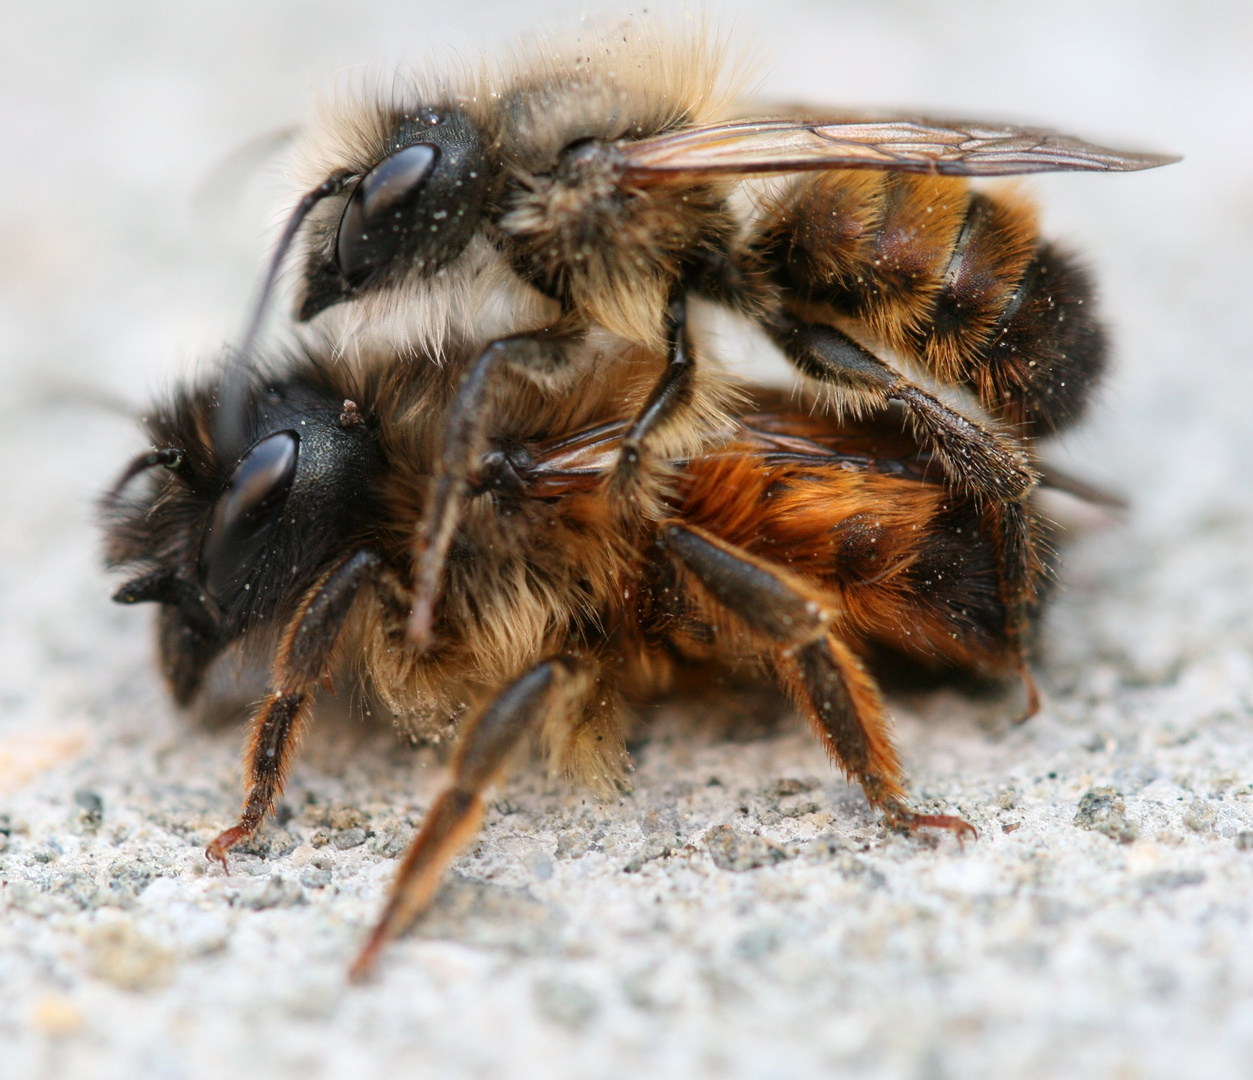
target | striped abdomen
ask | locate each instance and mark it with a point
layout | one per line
(956, 280)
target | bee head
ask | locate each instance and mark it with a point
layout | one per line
(412, 211)
(236, 521)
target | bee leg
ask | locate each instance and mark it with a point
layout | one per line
(993, 469)
(1019, 568)
(1032, 692)
(975, 460)
(302, 658)
(844, 707)
(821, 674)
(465, 439)
(454, 818)
(629, 482)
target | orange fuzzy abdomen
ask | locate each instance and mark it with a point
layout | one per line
(908, 563)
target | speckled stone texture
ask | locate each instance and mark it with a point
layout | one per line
(740, 913)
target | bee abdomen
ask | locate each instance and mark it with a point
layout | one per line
(1047, 351)
(988, 259)
(958, 281)
(1014, 320)
(874, 246)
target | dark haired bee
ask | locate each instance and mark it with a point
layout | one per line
(505, 216)
(605, 548)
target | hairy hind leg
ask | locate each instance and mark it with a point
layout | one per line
(994, 469)
(1019, 563)
(843, 705)
(821, 674)
(975, 460)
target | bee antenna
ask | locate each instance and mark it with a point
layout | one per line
(331, 186)
(234, 390)
(170, 458)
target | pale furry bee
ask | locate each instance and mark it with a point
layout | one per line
(501, 216)
(612, 540)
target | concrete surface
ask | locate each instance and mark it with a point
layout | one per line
(740, 913)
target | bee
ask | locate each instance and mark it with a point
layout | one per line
(610, 541)
(506, 216)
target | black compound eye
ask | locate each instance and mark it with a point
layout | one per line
(379, 214)
(415, 211)
(248, 508)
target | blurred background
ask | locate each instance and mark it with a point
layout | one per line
(136, 219)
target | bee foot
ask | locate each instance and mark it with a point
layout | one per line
(216, 851)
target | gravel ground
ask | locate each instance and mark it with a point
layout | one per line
(740, 913)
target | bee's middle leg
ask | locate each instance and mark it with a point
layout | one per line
(632, 483)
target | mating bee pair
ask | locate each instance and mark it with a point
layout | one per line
(509, 486)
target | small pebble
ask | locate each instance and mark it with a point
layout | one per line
(656, 846)
(1199, 817)
(392, 842)
(571, 845)
(735, 851)
(91, 805)
(1103, 810)
(343, 816)
(315, 879)
(350, 838)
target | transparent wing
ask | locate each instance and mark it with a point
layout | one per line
(954, 148)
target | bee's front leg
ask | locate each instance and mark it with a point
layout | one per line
(467, 429)
(303, 655)
(454, 818)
